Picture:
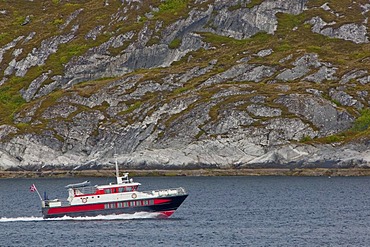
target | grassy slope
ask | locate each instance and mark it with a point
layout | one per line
(343, 54)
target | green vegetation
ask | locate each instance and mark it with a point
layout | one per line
(235, 7)
(253, 3)
(362, 123)
(132, 107)
(58, 22)
(170, 10)
(19, 20)
(10, 99)
(71, 5)
(221, 40)
(175, 44)
(74, 49)
(314, 49)
(4, 36)
(292, 37)
(172, 6)
(306, 138)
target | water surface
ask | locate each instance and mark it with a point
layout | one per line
(220, 211)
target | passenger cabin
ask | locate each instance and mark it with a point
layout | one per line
(124, 184)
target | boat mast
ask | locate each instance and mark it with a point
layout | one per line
(117, 172)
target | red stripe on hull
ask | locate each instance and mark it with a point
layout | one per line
(165, 206)
(166, 214)
(161, 201)
(71, 209)
(92, 207)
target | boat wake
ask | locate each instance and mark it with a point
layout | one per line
(138, 215)
(19, 219)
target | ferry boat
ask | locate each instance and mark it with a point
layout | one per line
(122, 197)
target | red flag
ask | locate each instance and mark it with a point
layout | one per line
(33, 188)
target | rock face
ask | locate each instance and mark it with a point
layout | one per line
(184, 84)
(353, 32)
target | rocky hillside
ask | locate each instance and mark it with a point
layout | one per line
(184, 83)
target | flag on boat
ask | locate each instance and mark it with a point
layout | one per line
(33, 188)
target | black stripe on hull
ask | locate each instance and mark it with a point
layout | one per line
(168, 206)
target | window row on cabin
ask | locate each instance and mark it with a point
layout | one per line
(128, 204)
(120, 189)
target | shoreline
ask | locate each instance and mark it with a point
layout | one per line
(296, 172)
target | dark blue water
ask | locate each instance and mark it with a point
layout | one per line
(220, 211)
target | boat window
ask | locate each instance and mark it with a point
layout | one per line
(125, 204)
(107, 191)
(121, 189)
(77, 192)
(120, 205)
(128, 188)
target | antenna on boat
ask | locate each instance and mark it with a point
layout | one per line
(117, 171)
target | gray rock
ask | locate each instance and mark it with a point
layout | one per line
(264, 53)
(341, 97)
(263, 111)
(242, 72)
(284, 130)
(315, 92)
(29, 37)
(94, 33)
(259, 99)
(243, 23)
(106, 66)
(59, 110)
(17, 52)
(70, 18)
(148, 123)
(39, 55)
(26, 20)
(30, 92)
(362, 94)
(26, 115)
(320, 112)
(5, 130)
(364, 80)
(324, 73)
(352, 75)
(356, 33)
(231, 120)
(235, 90)
(9, 46)
(303, 66)
(256, 74)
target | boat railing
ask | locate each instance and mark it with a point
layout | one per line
(55, 203)
(65, 203)
(166, 192)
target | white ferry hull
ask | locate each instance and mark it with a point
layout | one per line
(164, 206)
